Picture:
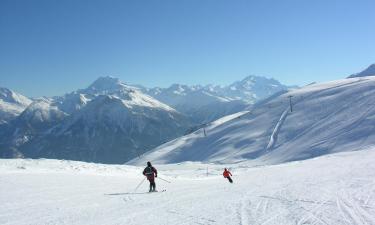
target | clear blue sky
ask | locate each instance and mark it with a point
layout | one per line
(56, 46)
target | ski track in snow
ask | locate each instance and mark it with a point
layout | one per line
(335, 189)
(273, 138)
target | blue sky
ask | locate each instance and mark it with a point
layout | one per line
(52, 47)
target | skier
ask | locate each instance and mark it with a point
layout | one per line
(227, 175)
(150, 172)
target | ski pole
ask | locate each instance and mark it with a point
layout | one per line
(139, 184)
(164, 180)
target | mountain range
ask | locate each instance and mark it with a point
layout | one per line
(293, 125)
(204, 104)
(11, 104)
(369, 71)
(113, 122)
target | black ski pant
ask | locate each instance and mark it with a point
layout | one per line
(230, 179)
(152, 184)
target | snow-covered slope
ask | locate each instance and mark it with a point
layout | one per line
(11, 104)
(42, 111)
(71, 102)
(130, 96)
(328, 117)
(335, 189)
(107, 122)
(369, 71)
(109, 130)
(34, 121)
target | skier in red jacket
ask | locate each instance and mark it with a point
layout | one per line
(227, 174)
(150, 172)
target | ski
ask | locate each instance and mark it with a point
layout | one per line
(164, 190)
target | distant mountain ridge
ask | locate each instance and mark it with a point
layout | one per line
(369, 71)
(198, 102)
(249, 89)
(107, 122)
(11, 104)
(112, 122)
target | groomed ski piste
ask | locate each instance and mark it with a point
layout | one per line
(332, 189)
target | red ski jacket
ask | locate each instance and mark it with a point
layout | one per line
(150, 172)
(226, 173)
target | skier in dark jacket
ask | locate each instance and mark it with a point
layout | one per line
(150, 172)
(227, 174)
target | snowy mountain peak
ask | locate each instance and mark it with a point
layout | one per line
(42, 110)
(253, 88)
(369, 71)
(103, 105)
(177, 88)
(106, 81)
(206, 103)
(181, 89)
(251, 78)
(129, 96)
(9, 96)
(257, 80)
(11, 104)
(107, 122)
(107, 85)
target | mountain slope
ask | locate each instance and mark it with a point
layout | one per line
(34, 121)
(201, 104)
(107, 122)
(369, 71)
(329, 117)
(204, 104)
(11, 104)
(336, 189)
(108, 130)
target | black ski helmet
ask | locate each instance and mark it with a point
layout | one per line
(148, 163)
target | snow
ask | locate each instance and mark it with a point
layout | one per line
(328, 117)
(140, 99)
(42, 110)
(131, 96)
(253, 88)
(204, 104)
(11, 104)
(10, 96)
(275, 132)
(107, 122)
(369, 71)
(9, 110)
(226, 119)
(333, 189)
